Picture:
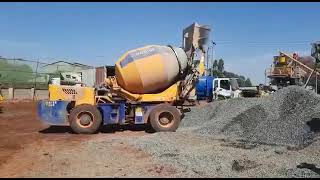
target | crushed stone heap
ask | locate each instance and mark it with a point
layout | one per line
(287, 117)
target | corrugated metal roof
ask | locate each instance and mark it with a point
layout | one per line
(73, 64)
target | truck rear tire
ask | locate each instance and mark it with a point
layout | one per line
(85, 119)
(165, 118)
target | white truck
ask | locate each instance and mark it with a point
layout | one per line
(224, 88)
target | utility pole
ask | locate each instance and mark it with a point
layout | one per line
(212, 56)
(207, 63)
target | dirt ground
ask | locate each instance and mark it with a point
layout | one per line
(29, 148)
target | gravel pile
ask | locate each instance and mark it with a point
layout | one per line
(285, 118)
(192, 155)
(211, 119)
(244, 137)
(196, 156)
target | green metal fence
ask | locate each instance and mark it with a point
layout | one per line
(21, 73)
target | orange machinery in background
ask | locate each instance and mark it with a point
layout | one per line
(287, 70)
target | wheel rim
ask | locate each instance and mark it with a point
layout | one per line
(85, 119)
(165, 119)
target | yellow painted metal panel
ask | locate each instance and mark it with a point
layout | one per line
(81, 95)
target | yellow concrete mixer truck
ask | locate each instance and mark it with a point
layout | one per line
(150, 87)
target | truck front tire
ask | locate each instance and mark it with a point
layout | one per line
(85, 119)
(165, 118)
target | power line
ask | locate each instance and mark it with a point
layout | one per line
(264, 43)
(228, 41)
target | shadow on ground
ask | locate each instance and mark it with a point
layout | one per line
(314, 125)
(103, 129)
(56, 129)
(312, 167)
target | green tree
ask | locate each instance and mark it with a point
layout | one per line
(218, 71)
(242, 77)
(215, 65)
(218, 74)
(221, 65)
(11, 72)
(242, 81)
(248, 82)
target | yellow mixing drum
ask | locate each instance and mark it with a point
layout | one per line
(150, 69)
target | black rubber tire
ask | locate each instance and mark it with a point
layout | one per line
(210, 98)
(86, 109)
(171, 112)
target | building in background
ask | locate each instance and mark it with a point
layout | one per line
(87, 73)
(27, 79)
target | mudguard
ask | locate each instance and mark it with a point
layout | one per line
(53, 112)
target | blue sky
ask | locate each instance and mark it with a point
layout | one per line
(247, 34)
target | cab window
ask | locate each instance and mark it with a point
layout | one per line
(225, 84)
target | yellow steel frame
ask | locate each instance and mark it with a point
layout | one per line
(168, 95)
(86, 95)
